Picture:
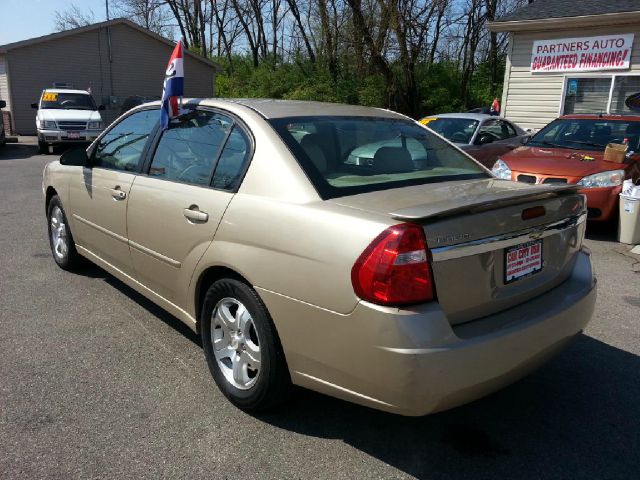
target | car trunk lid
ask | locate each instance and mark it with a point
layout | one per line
(471, 226)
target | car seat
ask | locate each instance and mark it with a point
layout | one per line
(601, 134)
(310, 143)
(392, 160)
(633, 135)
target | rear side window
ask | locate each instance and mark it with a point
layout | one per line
(350, 155)
(232, 161)
(121, 147)
(188, 150)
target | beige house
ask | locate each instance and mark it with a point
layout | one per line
(115, 59)
(570, 57)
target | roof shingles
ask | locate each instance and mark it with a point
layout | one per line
(543, 9)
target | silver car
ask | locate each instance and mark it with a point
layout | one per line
(484, 137)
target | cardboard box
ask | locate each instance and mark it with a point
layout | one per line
(615, 152)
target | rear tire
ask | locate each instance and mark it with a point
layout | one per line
(63, 248)
(242, 347)
(43, 148)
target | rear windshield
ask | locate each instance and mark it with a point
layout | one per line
(457, 130)
(67, 101)
(588, 134)
(349, 155)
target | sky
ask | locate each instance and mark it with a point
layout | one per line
(23, 19)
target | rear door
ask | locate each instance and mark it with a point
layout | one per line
(99, 201)
(504, 139)
(176, 206)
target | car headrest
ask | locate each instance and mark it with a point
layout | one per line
(310, 143)
(602, 130)
(633, 128)
(392, 160)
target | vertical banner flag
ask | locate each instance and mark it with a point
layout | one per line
(173, 86)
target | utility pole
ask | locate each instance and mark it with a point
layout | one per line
(106, 6)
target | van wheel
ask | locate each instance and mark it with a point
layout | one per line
(61, 241)
(43, 147)
(242, 347)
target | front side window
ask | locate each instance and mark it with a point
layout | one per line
(456, 130)
(588, 134)
(349, 155)
(188, 150)
(67, 101)
(122, 146)
(497, 129)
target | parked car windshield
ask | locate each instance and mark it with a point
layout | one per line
(349, 155)
(588, 134)
(457, 130)
(67, 101)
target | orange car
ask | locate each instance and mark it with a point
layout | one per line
(571, 150)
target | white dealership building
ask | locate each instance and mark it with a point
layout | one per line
(567, 57)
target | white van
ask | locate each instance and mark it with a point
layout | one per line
(66, 116)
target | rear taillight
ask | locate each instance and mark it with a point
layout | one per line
(394, 268)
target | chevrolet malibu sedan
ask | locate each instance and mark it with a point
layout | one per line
(571, 150)
(411, 284)
(484, 137)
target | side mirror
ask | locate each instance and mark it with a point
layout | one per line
(101, 107)
(34, 105)
(75, 157)
(525, 140)
(3, 104)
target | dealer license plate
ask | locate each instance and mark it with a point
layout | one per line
(522, 260)
(73, 134)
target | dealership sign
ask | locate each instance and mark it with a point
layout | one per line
(582, 54)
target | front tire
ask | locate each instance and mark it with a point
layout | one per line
(242, 348)
(43, 148)
(61, 241)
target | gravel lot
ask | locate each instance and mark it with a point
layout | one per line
(97, 382)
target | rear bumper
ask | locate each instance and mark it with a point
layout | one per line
(412, 361)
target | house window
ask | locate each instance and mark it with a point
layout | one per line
(623, 86)
(587, 95)
(599, 94)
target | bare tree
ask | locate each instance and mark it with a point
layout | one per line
(150, 14)
(73, 17)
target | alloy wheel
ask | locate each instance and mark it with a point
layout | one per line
(235, 343)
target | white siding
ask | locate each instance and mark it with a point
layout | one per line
(533, 100)
(4, 84)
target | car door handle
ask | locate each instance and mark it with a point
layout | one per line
(194, 214)
(117, 193)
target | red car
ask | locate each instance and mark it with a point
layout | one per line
(570, 150)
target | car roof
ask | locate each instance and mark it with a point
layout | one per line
(471, 116)
(65, 90)
(272, 108)
(633, 118)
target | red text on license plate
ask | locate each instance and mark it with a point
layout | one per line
(522, 260)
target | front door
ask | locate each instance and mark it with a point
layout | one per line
(175, 209)
(99, 200)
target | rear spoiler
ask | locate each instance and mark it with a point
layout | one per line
(481, 202)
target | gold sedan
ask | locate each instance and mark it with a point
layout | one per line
(407, 279)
